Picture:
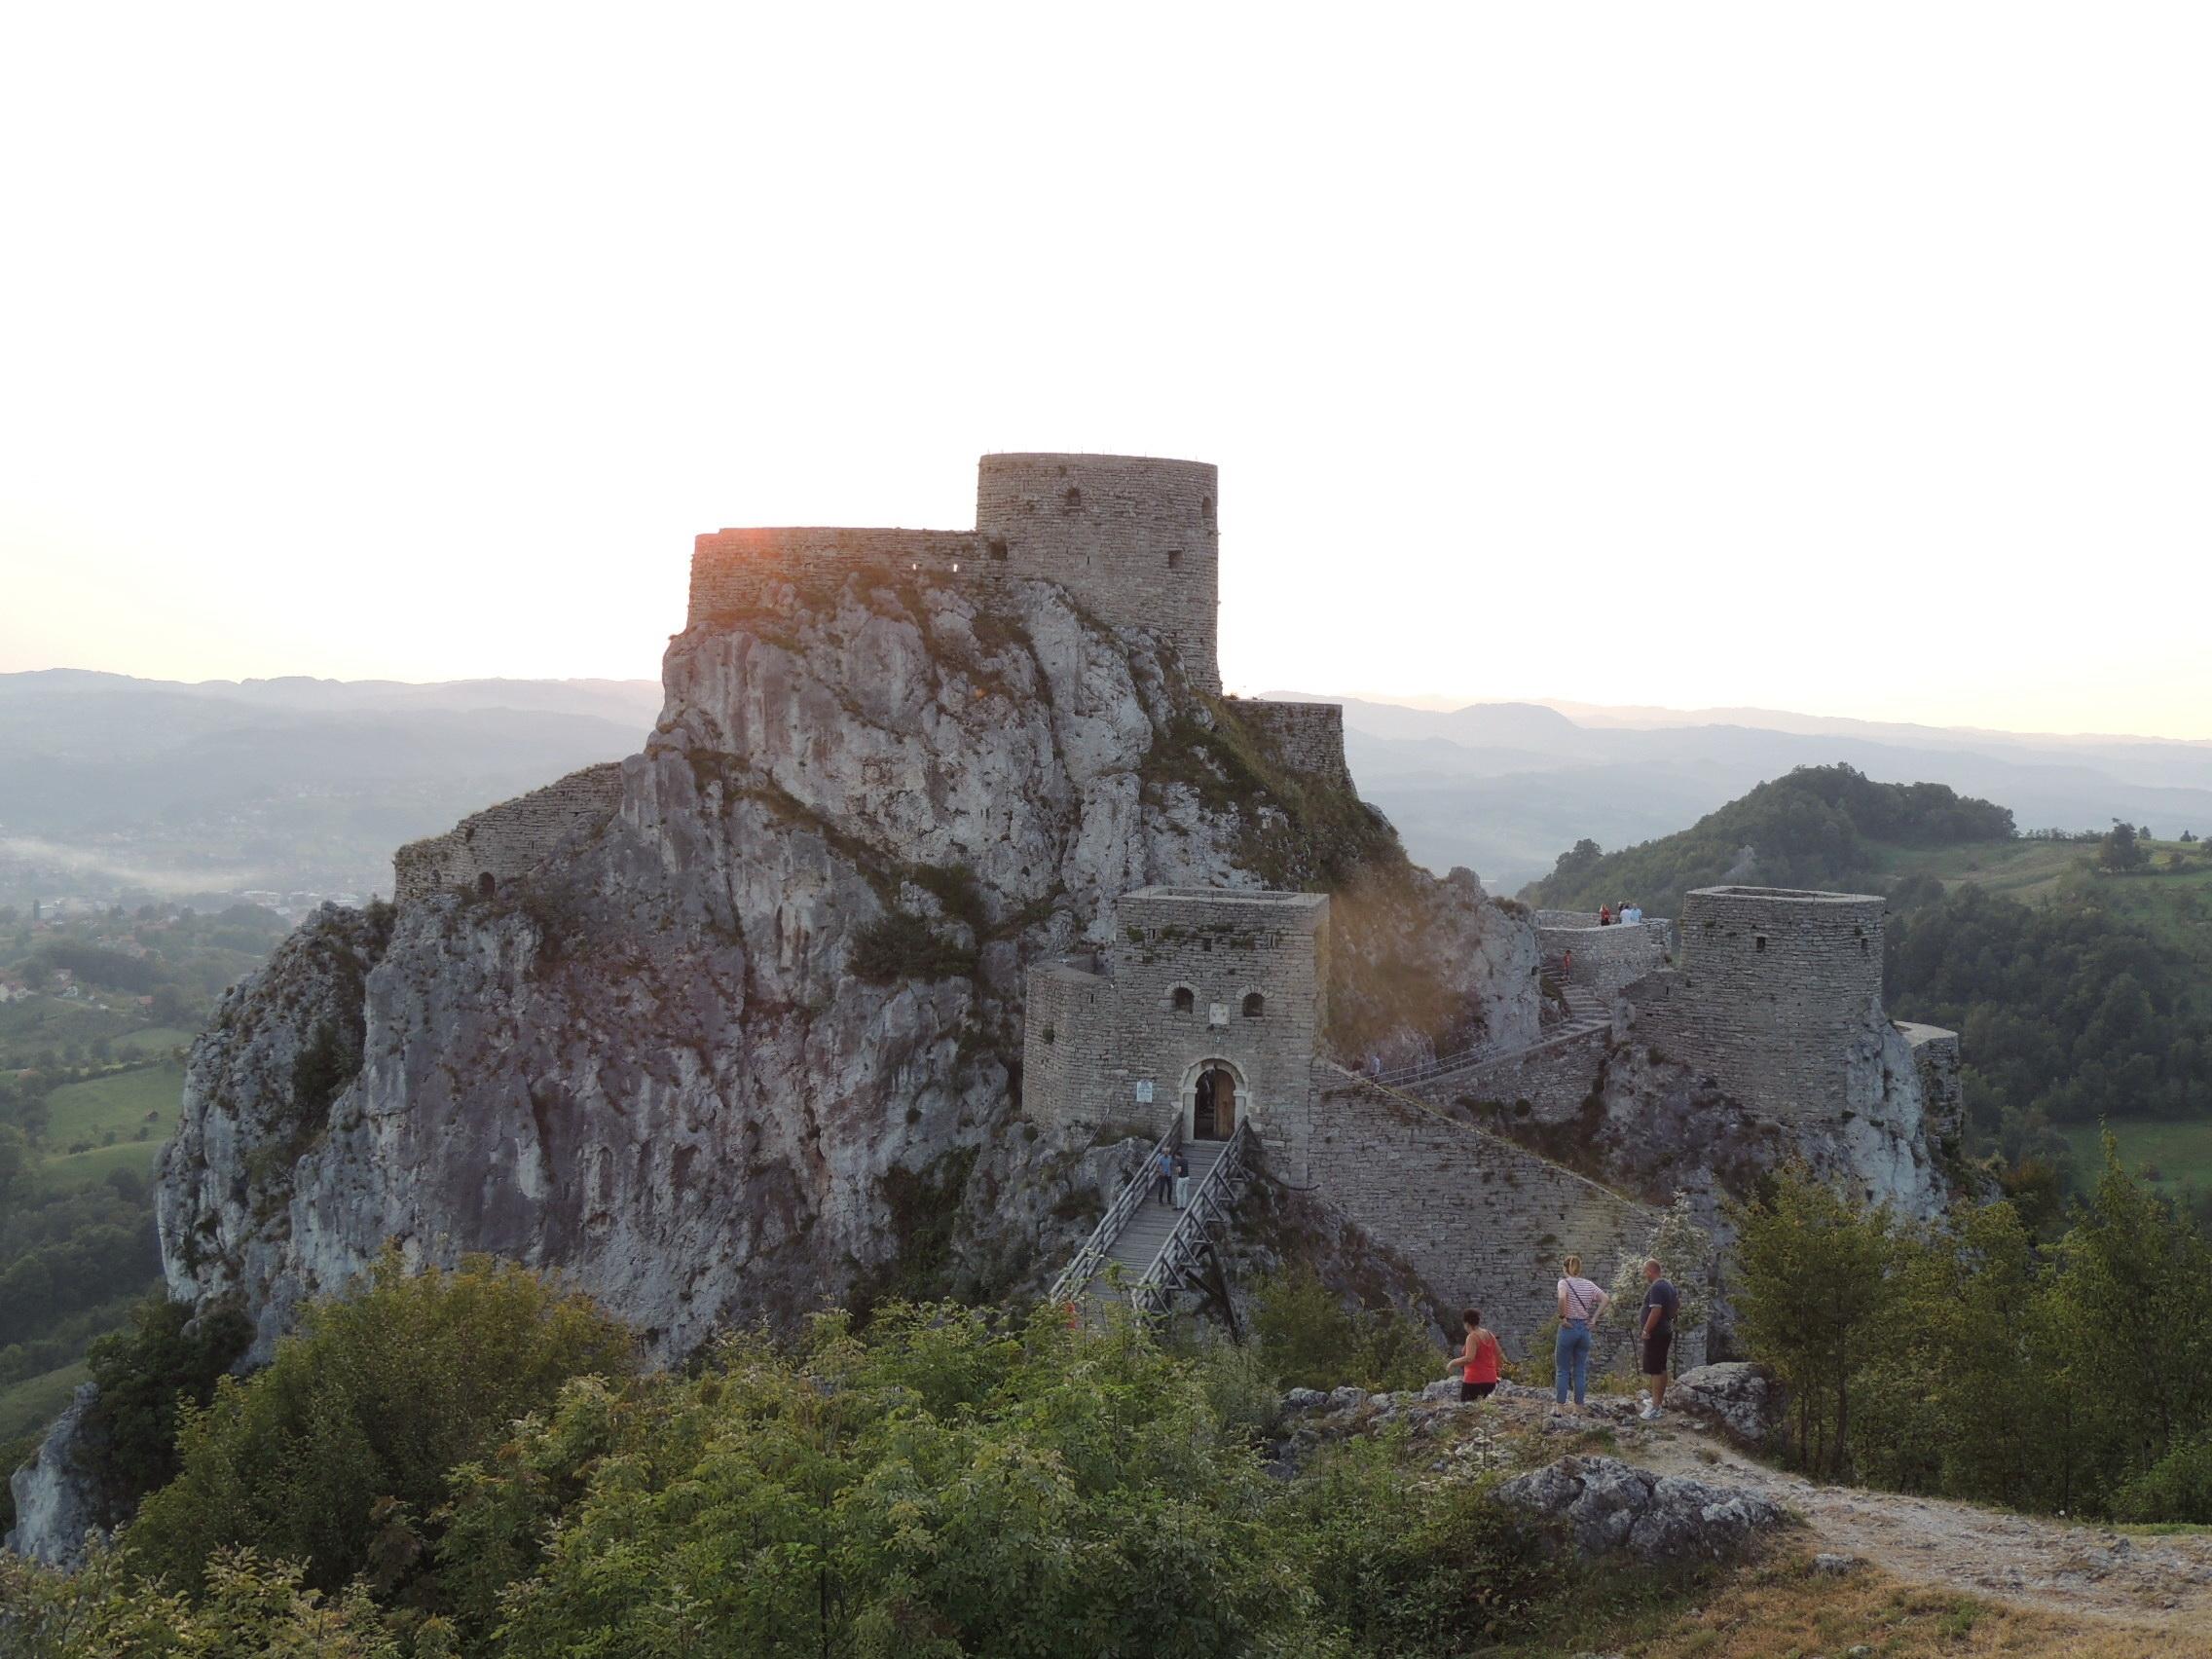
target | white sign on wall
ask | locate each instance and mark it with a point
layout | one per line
(1217, 1015)
(1144, 1092)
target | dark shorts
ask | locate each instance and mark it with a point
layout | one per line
(1475, 1392)
(1655, 1348)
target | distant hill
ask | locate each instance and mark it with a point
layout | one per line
(1505, 787)
(112, 786)
(1817, 826)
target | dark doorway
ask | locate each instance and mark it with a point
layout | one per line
(486, 886)
(1213, 1115)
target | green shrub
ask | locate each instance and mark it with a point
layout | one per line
(2176, 1487)
(1308, 1339)
(376, 1399)
(145, 1374)
(899, 946)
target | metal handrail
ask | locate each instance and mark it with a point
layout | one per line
(1421, 1069)
(1172, 1266)
(1086, 1261)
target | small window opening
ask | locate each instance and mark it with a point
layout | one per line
(486, 886)
(1185, 999)
(1073, 500)
(956, 567)
(1758, 941)
(1255, 1005)
(1174, 557)
(1206, 946)
(1863, 950)
(997, 547)
(1205, 508)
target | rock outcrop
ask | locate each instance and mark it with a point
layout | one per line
(751, 1045)
(1745, 1402)
(1604, 1505)
(56, 1508)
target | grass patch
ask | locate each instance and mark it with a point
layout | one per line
(2178, 1153)
(88, 1168)
(121, 1104)
(28, 1406)
(1783, 1607)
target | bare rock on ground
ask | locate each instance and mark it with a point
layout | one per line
(1605, 1505)
(1745, 1402)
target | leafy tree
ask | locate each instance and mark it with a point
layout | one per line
(1812, 1287)
(376, 1399)
(2121, 850)
(252, 1609)
(161, 1361)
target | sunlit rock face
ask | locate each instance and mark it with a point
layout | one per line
(754, 1045)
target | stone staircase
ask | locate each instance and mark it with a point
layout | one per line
(1148, 1227)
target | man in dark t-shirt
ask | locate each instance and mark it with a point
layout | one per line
(1659, 1304)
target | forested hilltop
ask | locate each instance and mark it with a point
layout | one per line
(1816, 826)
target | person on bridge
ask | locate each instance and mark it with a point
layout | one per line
(1478, 1360)
(1579, 1304)
(1165, 1169)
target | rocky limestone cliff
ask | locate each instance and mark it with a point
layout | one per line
(754, 1045)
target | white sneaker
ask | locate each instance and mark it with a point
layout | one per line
(1651, 1413)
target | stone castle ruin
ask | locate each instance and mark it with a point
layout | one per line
(1134, 540)
(1203, 1019)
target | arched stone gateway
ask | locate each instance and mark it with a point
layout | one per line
(1215, 1098)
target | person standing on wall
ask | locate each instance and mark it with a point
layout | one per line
(1478, 1360)
(1579, 1304)
(1659, 1305)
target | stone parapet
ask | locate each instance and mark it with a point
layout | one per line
(1134, 538)
(489, 849)
(1308, 737)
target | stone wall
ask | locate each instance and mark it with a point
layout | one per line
(1942, 1092)
(1310, 737)
(1605, 958)
(1134, 538)
(1484, 1221)
(1095, 1042)
(505, 841)
(736, 572)
(1773, 993)
(1554, 1078)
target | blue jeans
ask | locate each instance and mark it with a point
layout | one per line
(1571, 1360)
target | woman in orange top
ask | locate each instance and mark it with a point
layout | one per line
(1478, 1360)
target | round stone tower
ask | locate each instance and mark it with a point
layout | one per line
(1784, 991)
(1134, 536)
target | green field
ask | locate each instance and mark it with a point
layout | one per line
(28, 1406)
(154, 1040)
(2181, 1153)
(125, 1101)
(2026, 870)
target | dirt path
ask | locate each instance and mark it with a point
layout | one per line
(2083, 1570)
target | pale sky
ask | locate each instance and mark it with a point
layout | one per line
(1856, 361)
